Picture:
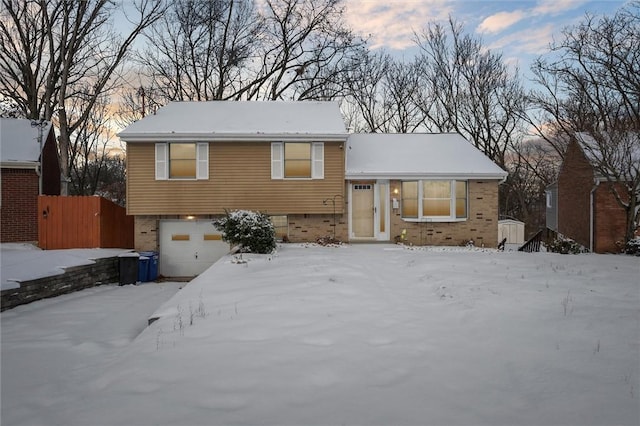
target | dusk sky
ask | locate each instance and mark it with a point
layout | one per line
(521, 29)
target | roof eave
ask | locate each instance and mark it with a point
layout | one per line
(20, 165)
(231, 137)
(423, 175)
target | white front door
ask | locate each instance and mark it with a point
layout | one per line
(369, 210)
(189, 247)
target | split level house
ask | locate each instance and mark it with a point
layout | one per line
(29, 167)
(193, 161)
(581, 204)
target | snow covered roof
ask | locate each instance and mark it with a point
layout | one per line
(616, 155)
(20, 143)
(240, 120)
(415, 155)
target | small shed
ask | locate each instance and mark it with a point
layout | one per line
(512, 230)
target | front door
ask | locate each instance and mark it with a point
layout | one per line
(362, 213)
(369, 210)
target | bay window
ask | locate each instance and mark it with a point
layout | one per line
(438, 200)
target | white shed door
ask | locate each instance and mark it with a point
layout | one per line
(188, 247)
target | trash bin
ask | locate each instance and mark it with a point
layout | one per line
(128, 264)
(153, 264)
(143, 269)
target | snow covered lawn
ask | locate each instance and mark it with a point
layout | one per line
(365, 334)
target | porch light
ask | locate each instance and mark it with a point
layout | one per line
(190, 217)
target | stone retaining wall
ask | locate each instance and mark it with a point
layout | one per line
(74, 278)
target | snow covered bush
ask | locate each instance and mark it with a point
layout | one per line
(633, 246)
(253, 231)
(566, 245)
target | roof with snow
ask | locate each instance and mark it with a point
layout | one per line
(240, 120)
(616, 155)
(416, 155)
(20, 141)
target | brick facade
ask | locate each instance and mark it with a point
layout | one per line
(145, 233)
(576, 182)
(481, 225)
(610, 220)
(304, 228)
(19, 211)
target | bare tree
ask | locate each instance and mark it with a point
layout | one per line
(53, 52)
(590, 89)
(365, 81)
(304, 50)
(468, 89)
(198, 50)
(88, 147)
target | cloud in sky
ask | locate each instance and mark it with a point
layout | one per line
(393, 23)
(553, 7)
(527, 41)
(501, 20)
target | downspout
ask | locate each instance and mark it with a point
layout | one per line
(591, 213)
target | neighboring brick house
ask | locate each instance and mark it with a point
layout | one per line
(295, 161)
(21, 167)
(582, 206)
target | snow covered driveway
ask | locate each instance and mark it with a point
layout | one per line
(362, 334)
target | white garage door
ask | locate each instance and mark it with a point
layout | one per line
(189, 247)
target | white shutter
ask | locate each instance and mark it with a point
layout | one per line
(202, 161)
(317, 160)
(162, 163)
(277, 160)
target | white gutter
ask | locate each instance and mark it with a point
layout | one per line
(591, 212)
(423, 175)
(20, 165)
(231, 137)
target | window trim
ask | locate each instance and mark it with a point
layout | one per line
(278, 161)
(453, 202)
(162, 166)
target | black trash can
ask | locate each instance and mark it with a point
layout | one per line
(128, 263)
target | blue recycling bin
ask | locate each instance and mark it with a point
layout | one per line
(143, 268)
(152, 264)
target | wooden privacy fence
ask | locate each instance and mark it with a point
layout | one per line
(82, 222)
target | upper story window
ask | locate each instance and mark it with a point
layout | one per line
(297, 160)
(438, 200)
(178, 160)
(182, 161)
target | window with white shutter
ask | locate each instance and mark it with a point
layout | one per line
(317, 160)
(162, 163)
(277, 160)
(202, 161)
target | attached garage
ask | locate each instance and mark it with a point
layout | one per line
(189, 247)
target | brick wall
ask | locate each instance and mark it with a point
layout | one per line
(302, 228)
(481, 225)
(610, 220)
(575, 182)
(308, 228)
(19, 211)
(145, 230)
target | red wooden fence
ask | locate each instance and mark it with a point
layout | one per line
(82, 222)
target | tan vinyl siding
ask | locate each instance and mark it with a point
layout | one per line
(239, 178)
